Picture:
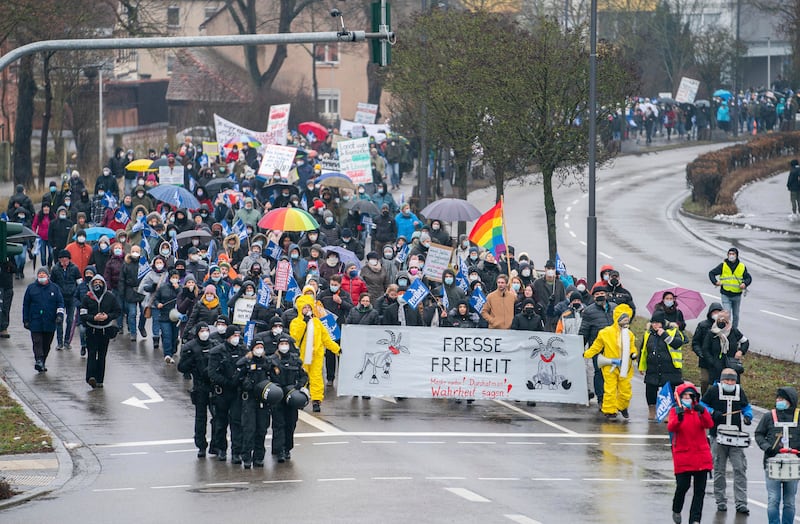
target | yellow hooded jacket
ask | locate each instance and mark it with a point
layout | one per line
(608, 341)
(297, 330)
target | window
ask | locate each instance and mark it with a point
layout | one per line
(210, 11)
(328, 102)
(173, 16)
(170, 62)
(327, 53)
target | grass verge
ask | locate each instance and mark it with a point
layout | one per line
(762, 377)
(18, 433)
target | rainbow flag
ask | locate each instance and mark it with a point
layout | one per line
(488, 230)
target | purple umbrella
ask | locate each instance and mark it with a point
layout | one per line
(345, 255)
(690, 302)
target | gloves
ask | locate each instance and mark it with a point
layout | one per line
(26, 325)
(699, 408)
(307, 317)
(747, 420)
(616, 361)
(305, 391)
(679, 412)
(770, 452)
(59, 318)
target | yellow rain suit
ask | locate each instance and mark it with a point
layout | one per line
(321, 341)
(616, 388)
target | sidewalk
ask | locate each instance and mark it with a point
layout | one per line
(765, 205)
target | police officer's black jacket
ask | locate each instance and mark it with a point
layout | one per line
(194, 360)
(222, 365)
(251, 371)
(286, 370)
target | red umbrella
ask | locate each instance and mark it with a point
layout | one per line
(690, 302)
(320, 131)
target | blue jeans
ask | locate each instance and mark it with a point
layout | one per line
(45, 253)
(394, 172)
(156, 324)
(69, 307)
(131, 309)
(776, 488)
(732, 304)
(169, 337)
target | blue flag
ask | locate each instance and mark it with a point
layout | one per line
(329, 321)
(477, 300)
(177, 199)
(140, 225)
(273, 250)
(292, 289)
(304, 202)
(445, 300)
(226, 229)
(249, 332)
(561, 267)
(416, 293)
(144, 267)
(109, 200)
(240, 229)
(461, 276)
(664, 401)
(264, 294)
(403, 253)
(122, 216)
(192, 183)
(210, 255)
(174, 245)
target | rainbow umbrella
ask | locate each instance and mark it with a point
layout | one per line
(141, 166)
(288, 219)
(243, 139)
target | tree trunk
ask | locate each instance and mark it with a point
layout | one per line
(23, 130)
(499, 182)
(461, 186)
(550, 211)
(314, 83)
(48, 106)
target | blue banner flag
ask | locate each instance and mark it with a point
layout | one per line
(144, 267)
(109, 200)
(240, 229)
(210, 254)
(329, 321)
(264, 294)
(664, 401)
(249, 332)
(461, 276)
(477, 300)
(226, 229)
(403, 253)
(140, 225)
(122, 216)
(174, 245)
(274, 250)
(416, 293)
(561, 267)
(304, 202)
(292, 289)
(177, 199)
(445, 300)
(192, 183)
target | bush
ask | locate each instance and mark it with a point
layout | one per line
(6, 491)
(715, 177)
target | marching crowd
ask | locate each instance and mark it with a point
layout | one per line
(201, 281)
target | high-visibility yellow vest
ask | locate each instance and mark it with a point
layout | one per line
(731, 280)
(676, 354)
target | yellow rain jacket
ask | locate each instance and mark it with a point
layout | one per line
(322, 341)
(608, 339)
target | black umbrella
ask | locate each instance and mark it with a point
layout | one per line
(451, 210)
(187, 236)
(363, 206)
(24, 236)
(293, 189)
(159, 162)
(215, 185)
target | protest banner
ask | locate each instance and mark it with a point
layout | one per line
(278, 124)
(466, 364)
(354, 160)
(171, 175)
(277, 158)
(243, 310)
(436, 261)
(356, 130)
(687, 91)
(366, 113)
(416, 293)
(211, 149)
(664, 94)
(329, 165)
(228, 131)
(282, 273)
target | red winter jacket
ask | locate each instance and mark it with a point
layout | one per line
(353, 286)
(690, 449)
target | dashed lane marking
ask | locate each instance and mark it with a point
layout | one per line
(515, 443)
(575, 202)
(223, 484)
(181, 451)
(569, 209)
(330, 443)
(551, 479)
(499, 478)
(379, 442)
(392, 478)
(177, 486)
(426, 442)
(467, 494)
(476, 442)
(572, 233)
(105, 490)
(709, 295)
(605, 255)
(536, 417)
(582, 242)
(779, 315)
(633, 268)
(521, 519)
(599, 479)
(287, 481)
(445, 478)
(668, 282)
(339, 479)
(566, 225)
(128, 454)
(581, 443)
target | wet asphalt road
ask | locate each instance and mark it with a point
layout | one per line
(426, 460)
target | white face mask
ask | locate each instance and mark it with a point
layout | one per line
(283, 348)
(277, 331)
(373, 262)
(221, 329)
(42, 280)
(159, 267)
(249, 293)
(731, 258)
(550, 272)
(332, 262)
(81, 240)
(581, 288)
(203, 335)
(258, 352)
(234, 341)
(209, 298)
(118, 252)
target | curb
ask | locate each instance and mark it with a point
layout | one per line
(65, 464)
(754, 227)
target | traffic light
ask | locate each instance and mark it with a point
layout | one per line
(8, 229)
(381, 21)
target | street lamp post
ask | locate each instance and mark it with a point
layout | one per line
(100, 138)
(769, 59)
(591, 219)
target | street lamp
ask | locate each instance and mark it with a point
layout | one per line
(591, 219)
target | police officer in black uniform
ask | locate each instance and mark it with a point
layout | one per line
(270, 337)
(253, 369)
(226, 399)
(194, 360)
(286, 370)
(218, 330)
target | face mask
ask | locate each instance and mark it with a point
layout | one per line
(581, 288)
(576, 307)
(140, 194)
(258, 352)
(731, 258)
(426, 244)
(221, 329)
(329, 220)
(249, 293)
(234, 341)
(135, 256)
(312, 237)
(118, 252)
(526, 272)
(669, 303)
(605, 277)
(406, 213)
(781, 405)
(236, 289)
(528, 311)
(101, 193)
(52, 190)
(140, 182)
(600, 299)
(686, 402)
(172, 233)
(550, 272)
(255, 254)
(277, 331)
(449, 281)
(175, 281)
(195, 242)
(165, 252)
(473, 257)
(203, 335)
(294, 256)
(283, 348)
(209, 298)
(67, 202)
(515, 286)
(353, 274)
(103, 246)
(62, 216)
(380, 191)
(403, 282)
(614, 281)
(388, 255)
(42, 280)
(728, 388)
(473, 278)
(332, 262)
(361, 191)
(98, 288)
(413, 270)
(334, 288)
(159, 267)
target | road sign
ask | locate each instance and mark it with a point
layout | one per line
(282, 273)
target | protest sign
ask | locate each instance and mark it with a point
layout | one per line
(354, 160)
(366, 113)
(171, 175)
(277, 158)
(228, 131)
(687, 91)
(282, 273)
(278, 124)
(436, 261)
(356, 130)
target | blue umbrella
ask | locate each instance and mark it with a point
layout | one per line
(175, 196)
(722, 93)
(93, 234)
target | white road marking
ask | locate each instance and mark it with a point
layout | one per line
(392, 478)
(498, 478)
(566, 216)
(597, 190)
(596, 479)
(657, 480)
(574, 202)
(330, 443)
(180, 451)
(318, 424)
(149, 392)
(390, 400)
(126, 454)
(340, 479)
(585, 196)
(177, 486)
(669, 283)
(103, 490)
(476, 442)
(581, 443)
(142, 443)
(615, 182)
(223, 484)
(445, 478)
(778, 315)
(287, 481)
(582, 242)
(569, 209)
(521, 519)
(425, 442)
(605, 255)
(633, 268)
(536, 417)
(551, 479)
(566, 225)
(379, 442)
(571, 232)
(467, 494)
(709, 295)
(514, 443)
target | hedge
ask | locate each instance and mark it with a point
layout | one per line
(715, 177)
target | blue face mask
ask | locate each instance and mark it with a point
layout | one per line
(448, 281)
(781, 405)
(294, 256)
(353, 274)
(52, 190)
(687, 403)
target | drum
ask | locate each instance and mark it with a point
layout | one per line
(730, 435)
(783, 466)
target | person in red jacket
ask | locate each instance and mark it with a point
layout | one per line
(352, 283)
(691, 454)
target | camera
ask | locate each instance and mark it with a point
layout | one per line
(335, 13)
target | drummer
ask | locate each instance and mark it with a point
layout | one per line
(728, 405)
(771, 436)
